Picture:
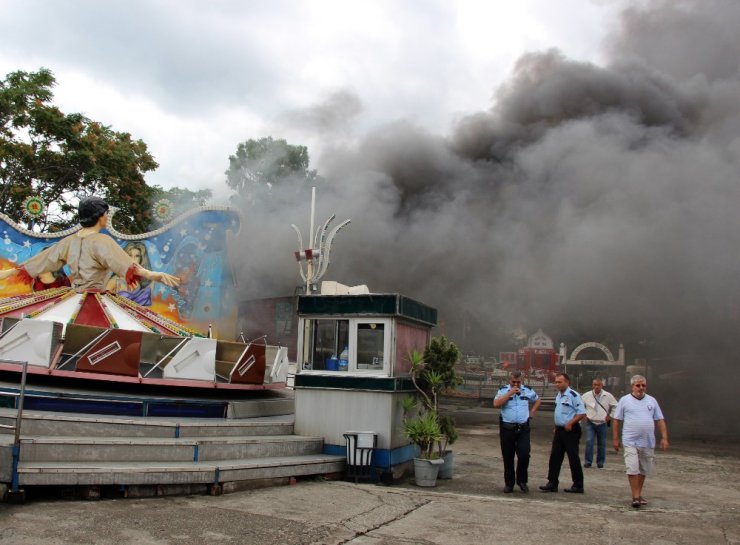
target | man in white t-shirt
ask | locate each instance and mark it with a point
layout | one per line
(639, 412)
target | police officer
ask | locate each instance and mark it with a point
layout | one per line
(569, 411)
(514, 400)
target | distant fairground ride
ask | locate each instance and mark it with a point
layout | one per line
(145, 332)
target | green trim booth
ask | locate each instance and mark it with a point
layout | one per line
(353, 371)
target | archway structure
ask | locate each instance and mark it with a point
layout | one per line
(608, 355)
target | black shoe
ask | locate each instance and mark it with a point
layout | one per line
(586, 465)
(574, 490)
(508, 489)
(600, 466)
(549, 487)
(524, 488)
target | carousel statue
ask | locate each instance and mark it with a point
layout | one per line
(93, 305)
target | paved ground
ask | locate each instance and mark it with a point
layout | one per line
(694, 499)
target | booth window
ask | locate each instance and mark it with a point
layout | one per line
(346, 345)
(327, 340)
(370, 345)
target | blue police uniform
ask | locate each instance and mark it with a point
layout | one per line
(568, 404)
(516, 410)
(514, 435)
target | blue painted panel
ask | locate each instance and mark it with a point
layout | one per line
(187, 410)
(125, 406)
(131, 408)
(382, 458)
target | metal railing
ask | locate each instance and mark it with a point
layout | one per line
(484, 389)
(14, 482)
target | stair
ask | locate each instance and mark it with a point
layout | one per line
(205, 454)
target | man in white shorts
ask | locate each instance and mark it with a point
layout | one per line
(639, 412)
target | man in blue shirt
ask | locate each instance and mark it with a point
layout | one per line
(514, 400)
(569, 411)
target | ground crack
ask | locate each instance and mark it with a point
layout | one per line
(360, 533)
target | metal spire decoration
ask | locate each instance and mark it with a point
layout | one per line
(317, 256)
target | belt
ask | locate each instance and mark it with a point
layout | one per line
(513, 426)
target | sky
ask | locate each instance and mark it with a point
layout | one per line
(194, 79)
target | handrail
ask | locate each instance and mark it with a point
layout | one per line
(17, 437)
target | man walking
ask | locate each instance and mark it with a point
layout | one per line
(514, 400)
(569, 411)
(639, 412)
(600, 406)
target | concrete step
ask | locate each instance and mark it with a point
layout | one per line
(70, 424)
(169, 473)
(147, 449)
(159, 445)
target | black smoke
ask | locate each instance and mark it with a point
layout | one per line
(595, 202)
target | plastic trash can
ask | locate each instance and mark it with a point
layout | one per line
(360, 447)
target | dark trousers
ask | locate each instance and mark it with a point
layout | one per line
(566, 442)
(515, 442)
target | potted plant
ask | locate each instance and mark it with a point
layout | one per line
(433, 374)
(440, 358)
(449, 436)
(423, 430)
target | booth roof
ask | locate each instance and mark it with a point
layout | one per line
(372, 304)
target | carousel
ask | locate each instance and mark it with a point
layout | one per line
(157, 308)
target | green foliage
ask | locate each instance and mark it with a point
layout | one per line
(182, 199)
(441, 356)
(448, 429)
(433, 374)
(258, 165)
(424, 431)
(408, 404)
(59, 157)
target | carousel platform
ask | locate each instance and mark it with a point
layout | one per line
(121, 444)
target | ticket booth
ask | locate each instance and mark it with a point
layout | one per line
(353, 370)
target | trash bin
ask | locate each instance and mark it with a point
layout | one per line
(360, 447)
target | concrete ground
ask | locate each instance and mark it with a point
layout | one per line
(694, 499)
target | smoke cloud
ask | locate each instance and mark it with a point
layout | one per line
(596, 202)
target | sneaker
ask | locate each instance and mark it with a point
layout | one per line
(586, 465)
(508, 489)
(600, 466)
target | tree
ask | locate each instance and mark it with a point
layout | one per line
(258, 165)
(181, 199)
(61, 157)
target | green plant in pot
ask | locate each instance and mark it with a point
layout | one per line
(449, 436)
(423, 430)
(433, 373)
